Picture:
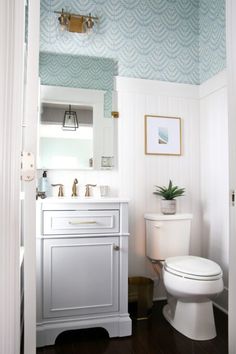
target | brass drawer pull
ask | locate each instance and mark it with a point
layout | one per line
(82, 222)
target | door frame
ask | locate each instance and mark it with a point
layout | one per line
(231, 76)
(11, 114)
(30, 127)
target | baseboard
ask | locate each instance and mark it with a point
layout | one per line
(220, 308)
(161, 298)
(221, 301)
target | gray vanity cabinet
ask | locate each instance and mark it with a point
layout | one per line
(82, 267)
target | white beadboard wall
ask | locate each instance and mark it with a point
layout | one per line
(215, 175)
(202, 169)
(139, 173)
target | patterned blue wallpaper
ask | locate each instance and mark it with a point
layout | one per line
(151, 39)
(212, 41)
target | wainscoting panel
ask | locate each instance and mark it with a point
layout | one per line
(215, 175)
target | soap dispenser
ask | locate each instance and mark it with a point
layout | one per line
(43, 187)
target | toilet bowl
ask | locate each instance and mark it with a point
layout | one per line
(191, 283)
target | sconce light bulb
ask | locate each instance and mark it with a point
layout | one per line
(64, 20)
(89, 24)
(63, 28)
(89, 31)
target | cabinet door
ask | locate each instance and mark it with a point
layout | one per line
(80, 276)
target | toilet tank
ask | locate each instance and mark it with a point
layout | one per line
(167, 235)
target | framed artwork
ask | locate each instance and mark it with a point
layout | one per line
(162, 135)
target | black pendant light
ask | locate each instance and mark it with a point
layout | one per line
(70, 121)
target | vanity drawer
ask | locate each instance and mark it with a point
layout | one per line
(80, 222)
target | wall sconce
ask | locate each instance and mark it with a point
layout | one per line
(76, 22)
(70, 121)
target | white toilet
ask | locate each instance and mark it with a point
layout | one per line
(190, 281)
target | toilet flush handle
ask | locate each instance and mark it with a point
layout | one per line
(158, 225)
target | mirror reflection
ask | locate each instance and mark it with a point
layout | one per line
(65, 146)
(79, 148)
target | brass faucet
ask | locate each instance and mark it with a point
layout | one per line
(87, 190)
(74, 189)
(60, 190)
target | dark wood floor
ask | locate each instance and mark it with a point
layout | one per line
(152, 336)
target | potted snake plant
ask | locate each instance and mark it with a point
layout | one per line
(168, 194)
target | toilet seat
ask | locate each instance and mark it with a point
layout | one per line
(191, 267)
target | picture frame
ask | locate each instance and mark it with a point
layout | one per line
(162, 135)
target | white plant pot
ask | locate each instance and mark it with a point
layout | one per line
(168, 207)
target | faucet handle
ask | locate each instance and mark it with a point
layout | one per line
(87, 190)
(60, 190)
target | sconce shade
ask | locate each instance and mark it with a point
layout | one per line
(70, 121)
(89, 23)
(64, 20)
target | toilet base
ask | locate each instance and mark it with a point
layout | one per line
(195, 320)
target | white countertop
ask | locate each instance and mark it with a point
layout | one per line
(83, 200)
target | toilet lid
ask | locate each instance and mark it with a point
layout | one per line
(193, 267)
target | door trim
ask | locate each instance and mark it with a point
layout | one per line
(11, 113)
